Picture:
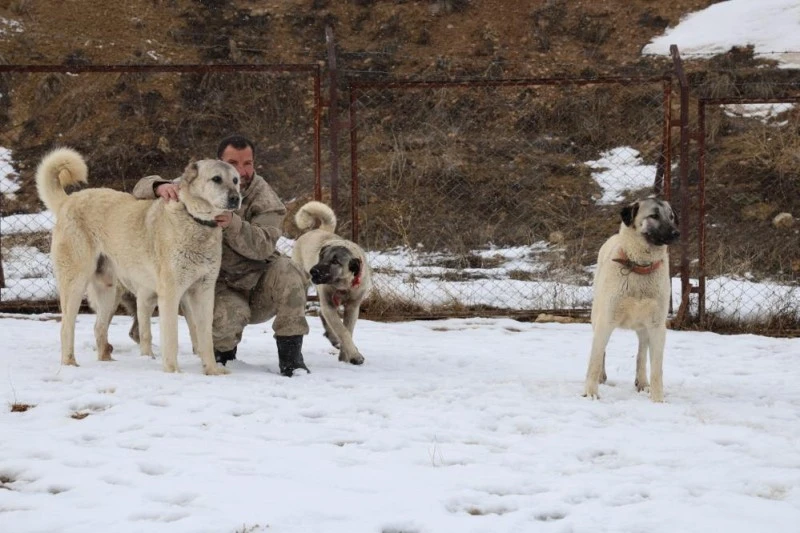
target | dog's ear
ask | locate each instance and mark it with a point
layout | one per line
(190, 172)
(355, 266)
(628, 213)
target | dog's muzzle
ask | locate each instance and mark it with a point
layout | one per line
(234, 201)
(663, 238)
(320, 274)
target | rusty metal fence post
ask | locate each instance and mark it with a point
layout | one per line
(683, 169)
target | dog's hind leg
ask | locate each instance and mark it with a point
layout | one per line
(102, 293)
(596, 358)
(71, 289)
(641, 360)
(657, 339)
(128, 301)
(145, 304)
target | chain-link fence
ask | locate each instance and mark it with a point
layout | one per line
(133, 121)
(749, 264)
(494, 196)
(471, 197)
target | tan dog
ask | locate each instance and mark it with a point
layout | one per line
(339, 269)
(632, 291)
(167, 252)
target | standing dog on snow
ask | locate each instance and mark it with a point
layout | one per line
(160, 251)
(339, 269)
(632, 291)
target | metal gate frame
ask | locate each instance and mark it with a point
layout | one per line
(701, 170)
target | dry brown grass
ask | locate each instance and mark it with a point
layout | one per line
(18, 407)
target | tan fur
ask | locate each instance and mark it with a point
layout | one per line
(309, 251)
(628, 300)
(155, 248)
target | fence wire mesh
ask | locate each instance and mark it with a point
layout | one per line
(752, 187)
(497, 196)
(131, 124)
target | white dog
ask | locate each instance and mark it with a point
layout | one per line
(339, 269)
(161, 251)
(632, 291)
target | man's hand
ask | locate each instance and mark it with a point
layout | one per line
(168, 191)
(224, 220)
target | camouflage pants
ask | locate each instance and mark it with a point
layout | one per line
(280, 293)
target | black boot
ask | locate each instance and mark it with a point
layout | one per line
(223, 357)
(290, 355)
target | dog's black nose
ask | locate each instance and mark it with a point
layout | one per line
(233, 202)
(675, 234)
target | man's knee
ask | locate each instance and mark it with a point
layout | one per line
(231, 315)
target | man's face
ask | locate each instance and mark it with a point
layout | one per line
(243, 161)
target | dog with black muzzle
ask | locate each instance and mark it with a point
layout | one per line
(632, 291)
(339, 269)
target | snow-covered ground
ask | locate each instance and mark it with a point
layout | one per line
(458, 425)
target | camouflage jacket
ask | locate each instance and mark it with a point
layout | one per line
(248, 243)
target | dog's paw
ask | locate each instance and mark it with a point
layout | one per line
(641, 385)
(334, 340)
(353, 359)
(105, 354)
(215, 370)
(171, 368)
(590, 391)
(656, 395)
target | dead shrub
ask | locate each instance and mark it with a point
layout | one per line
(17, 407)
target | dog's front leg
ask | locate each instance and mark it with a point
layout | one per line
(641, 360)
(186, 309)
(348, 351)
(602, 332)
(658, 337)
(329, 334)
(168, 302)
(198, 309)
(351, 310)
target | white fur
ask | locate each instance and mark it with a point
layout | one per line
(306, 253)
(625, 299)
(154, 248)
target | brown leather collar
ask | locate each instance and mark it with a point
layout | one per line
(637, 268)
(338, 295)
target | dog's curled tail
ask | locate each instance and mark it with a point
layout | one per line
(314, 211)
(60, 168)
